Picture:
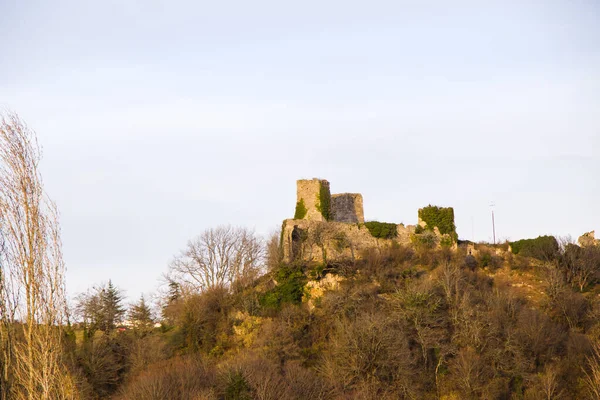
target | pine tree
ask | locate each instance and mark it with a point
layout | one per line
(113, 311)
(141, 316)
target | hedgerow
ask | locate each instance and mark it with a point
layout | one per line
(542, 247)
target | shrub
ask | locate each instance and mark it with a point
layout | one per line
(446, 241)
(178, 379)
(236, 387)
(203, 319)
(253, 376)
(542, 247)
(425, 240)
(382, 230)
(290, 287)
(442, 217)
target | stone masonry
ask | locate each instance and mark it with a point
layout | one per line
(347, 207)
(319, 202)
(342, 235)
(308, 191)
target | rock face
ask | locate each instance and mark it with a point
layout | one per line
(315, 289)
(347, 207)
(588, 239)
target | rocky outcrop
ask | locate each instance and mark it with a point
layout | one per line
(588, 239)
(314, 290)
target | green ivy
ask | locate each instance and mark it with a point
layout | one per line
(424, 240)
(446, 241)
(324, 201)
(290, 287)
(317, 272)
(382, 230)
(542, 247)
(300, 210)
(442, 217)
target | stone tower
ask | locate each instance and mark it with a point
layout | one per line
(313, 200)
(347, 207)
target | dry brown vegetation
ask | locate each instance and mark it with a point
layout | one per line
(235, 323)
(404, 324)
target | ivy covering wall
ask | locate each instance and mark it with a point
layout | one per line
(442, 217)
(324, 201)
(300, 210)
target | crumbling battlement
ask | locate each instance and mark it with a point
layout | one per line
(316, 203)
(322, 241)
(313, 200)
(347, 207)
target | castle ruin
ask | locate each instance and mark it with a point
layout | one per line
(329, 227)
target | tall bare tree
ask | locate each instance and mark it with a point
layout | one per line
(218, 257)
(32, 297)
(592, 374)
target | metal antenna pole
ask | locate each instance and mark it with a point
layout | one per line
(493, 226)
(493, 222)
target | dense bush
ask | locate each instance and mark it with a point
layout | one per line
(542, 247)
(178, 379)
(440, 217)
(382, 230)
(204, 319)
(289, 289)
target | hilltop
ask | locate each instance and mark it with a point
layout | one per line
(373, 310)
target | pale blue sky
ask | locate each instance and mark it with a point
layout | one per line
(161, 119)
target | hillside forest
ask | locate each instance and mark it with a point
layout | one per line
(232, 320)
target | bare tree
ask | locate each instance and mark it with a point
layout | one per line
(32, 297)
(549, 383)
(219, 257)
(592, 375)
(274, 250)
(581, 265)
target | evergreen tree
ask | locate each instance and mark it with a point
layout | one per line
(113, 310)
(101, 309)
(141, 316)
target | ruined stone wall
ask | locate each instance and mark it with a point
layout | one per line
(309, 192)
(318, 241)
(330, 228)
(347, 207)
